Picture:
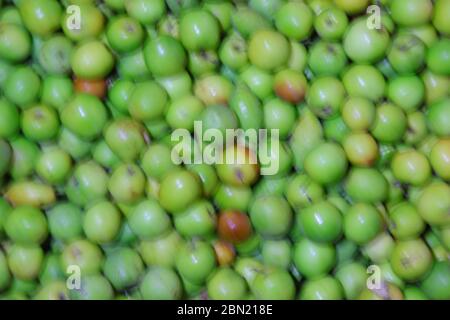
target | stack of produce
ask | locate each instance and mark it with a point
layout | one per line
(100, 199)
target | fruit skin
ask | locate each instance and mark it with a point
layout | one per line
(438, 60)
(24, 153)
(93, 287)
(440, 21)
(55, 290)
(364, 81)
(361, 149)
(226, 284)
(198, 220)
(414, 293)
(411, 260)
(247, 108)
(146, 12)
(24, 261)
(124, 34)
(271, 216)
(436, 284)
(85, 115)
(234, 226)
(440, 159)
(230, 197)
(126, 138)
(196, 261)
(353, 278)
(56, 91)
(366, 185)
(40, 123)
(411, 167)
(89, 182)
(313, 259)
(15, 43)
(199, 30)
(54, 55)
(279, 115)
(273, 285)
(65, 221)
(213, 89)
(161, 284)
(331, 24)
(94, 87)
(364, 45)
(177, 85)
(83, 253)
(438, 118)
(101, 222)
(406, 222)
(127, 183)
(91, 26)
(248, 21)
(179, 189)
(92, 60)
(326, 163)
(290, 86)
(30, 193)
(390, 123)
(387, 291)
(407, 92)
(9, 119)
(414, 12)
(406, 54)
(41, 17)
(362, 223)
(330, 226)
(26, 225)
(277, 253)
(294, 20)
(22, 86)
(433, 204)
(148, 220)
(239, 166)
(225, 253)
(326, 288)
(352, 7)
(233, 52)
(164, 56)
(301, 191)
(268, 50)
(123, 268)
(327, 58)
(72, 144)
(161, 251)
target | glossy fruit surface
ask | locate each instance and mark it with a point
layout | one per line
(92, 60)
(268, 49)
(326, 163)
(271, 216)
(226, 284)
(362, 223)
(164, 56)
(321, 222)
(234, 226)
(411, 260)
(313, 259)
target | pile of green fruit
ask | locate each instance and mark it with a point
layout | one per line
(93, 205)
